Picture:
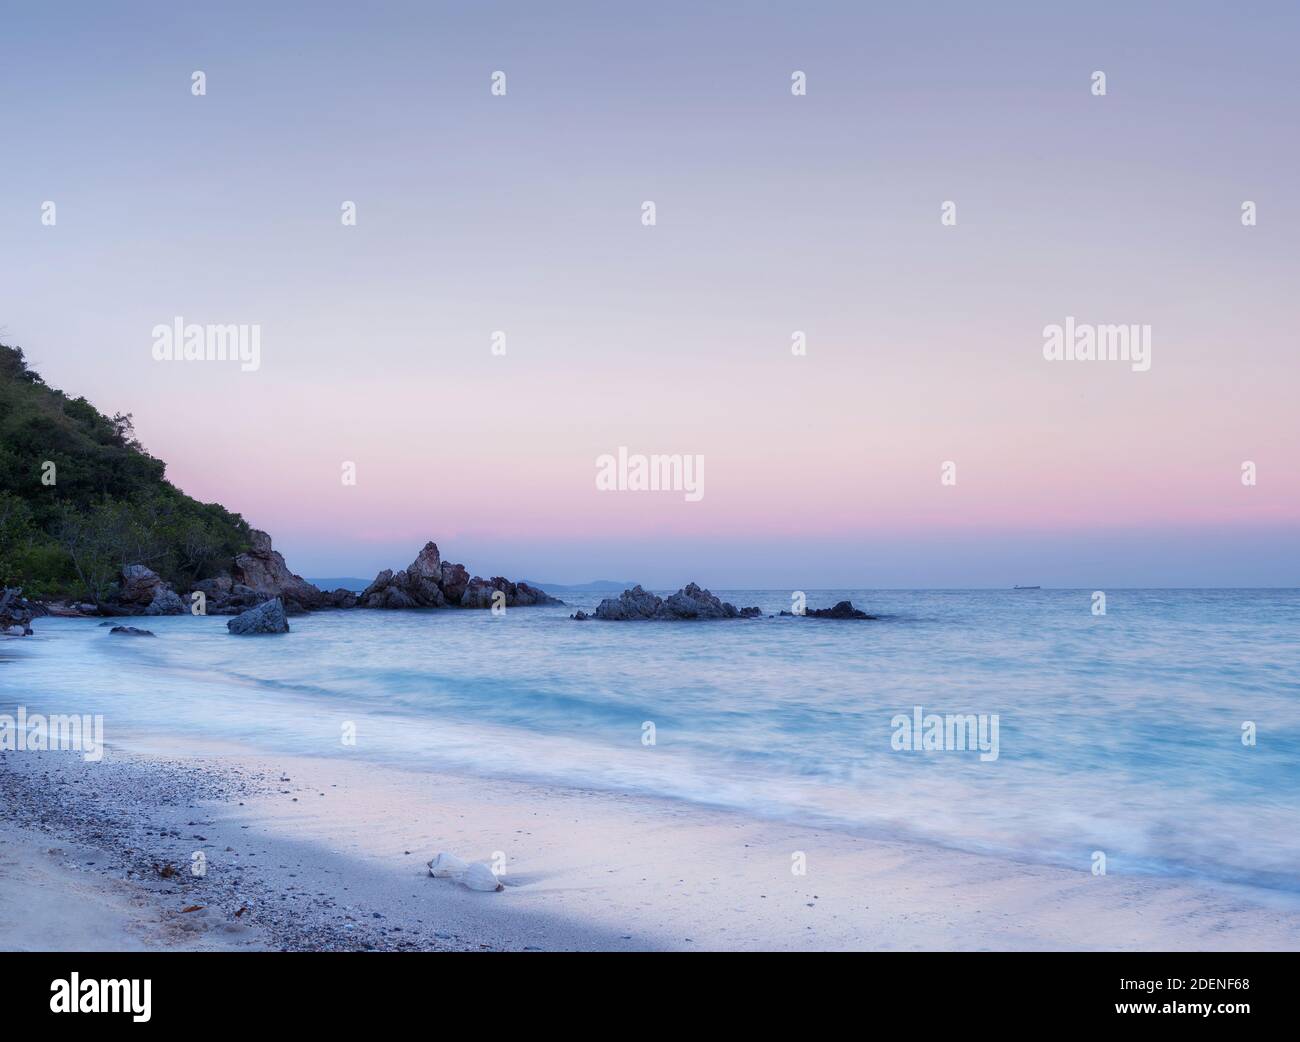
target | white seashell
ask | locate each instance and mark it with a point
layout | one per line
(479, 876)
(447, 866)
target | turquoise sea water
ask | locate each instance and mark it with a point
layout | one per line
(1120, 733)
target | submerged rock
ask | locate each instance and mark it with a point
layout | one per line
(842, 610)
(265, 618)
(131, 631)
(690, 602)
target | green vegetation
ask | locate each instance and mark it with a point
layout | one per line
(66, 530)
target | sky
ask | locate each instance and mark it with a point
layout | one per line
(774, 213)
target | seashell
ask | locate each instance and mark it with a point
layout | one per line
(447, 866)
(479, 876)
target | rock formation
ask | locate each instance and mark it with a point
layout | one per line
(15, 614)
(267, 617)
(261, 574)
(431, 582)
(842, 610)
(263, 571)
(690, 602)
(140, 591)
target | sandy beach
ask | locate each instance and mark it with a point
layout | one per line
(301, 853)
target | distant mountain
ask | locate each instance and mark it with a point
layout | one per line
(341, 583)
(595, 586)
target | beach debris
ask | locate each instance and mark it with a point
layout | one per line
(447, 866)
(476, 876)
(479, 876)
(268, 617)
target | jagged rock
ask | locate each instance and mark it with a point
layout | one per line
(165, 602)
(15, 614)
(223, 596)
(842, 610)
(218, 586)
(268, 617)
(416, 586)
(141, 591)
(527, 596)
(690, 602)
(263, 571)
(427, 564)
(454, 580)
(382, 581)
(430, 582)
(341, 598)
(136, 584)
(131, 631)
(635, 603)
(478, 593)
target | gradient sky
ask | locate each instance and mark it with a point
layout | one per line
(775, 213)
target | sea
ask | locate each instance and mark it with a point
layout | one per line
(1162, 734)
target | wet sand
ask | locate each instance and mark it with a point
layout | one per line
(330, 854)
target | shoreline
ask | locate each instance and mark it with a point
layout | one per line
(330, 855)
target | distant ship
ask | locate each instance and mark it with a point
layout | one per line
(1026, 587)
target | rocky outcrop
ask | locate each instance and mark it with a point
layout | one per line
(262, 570)
(15, 614)
(479, 593)
(340, 598)
(690, 602)
(260, 575)
(419, 585)
(141, 591)
(842, 610)
(431, 582)
(455, 580)
(268, 617)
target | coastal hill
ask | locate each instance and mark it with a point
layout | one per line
(89, 522)
(80, 497)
